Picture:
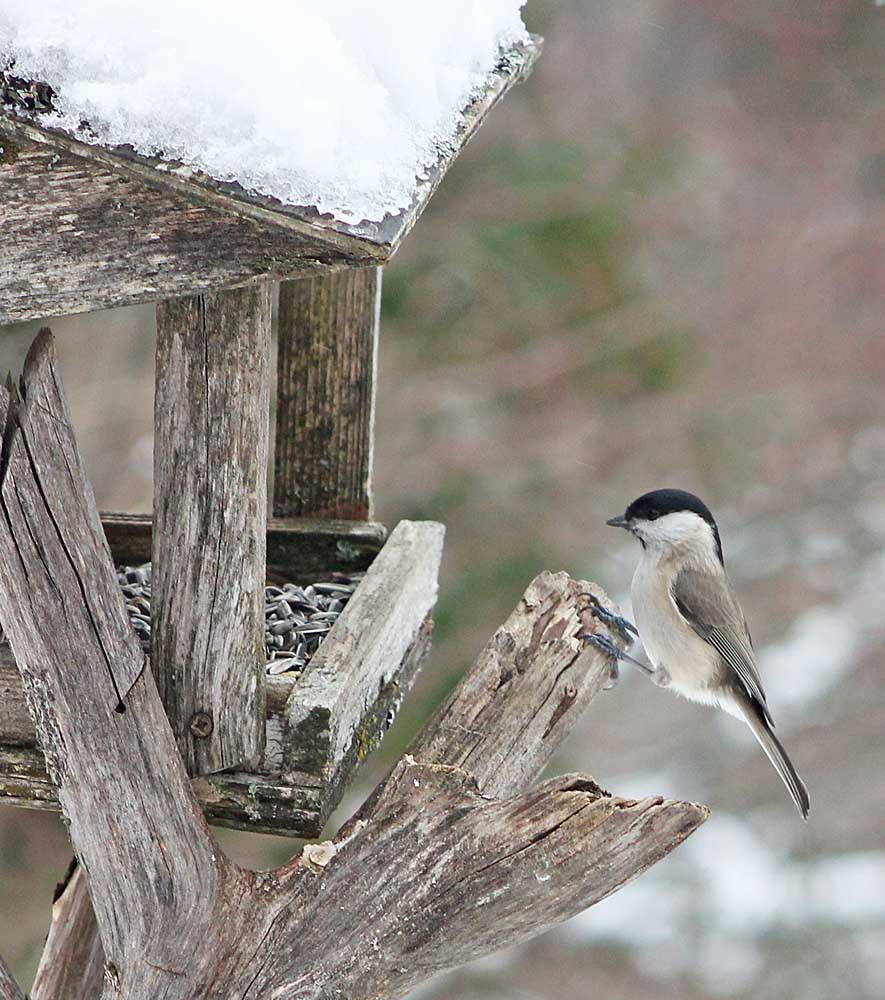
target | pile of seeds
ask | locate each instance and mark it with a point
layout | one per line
(296, 619)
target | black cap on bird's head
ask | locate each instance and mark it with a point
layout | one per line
(659, 503)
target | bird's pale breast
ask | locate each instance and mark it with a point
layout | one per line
(694, 667)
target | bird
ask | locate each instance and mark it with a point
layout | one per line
(690, 620)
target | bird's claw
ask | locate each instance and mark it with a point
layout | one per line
(626, 629)
(608, 649)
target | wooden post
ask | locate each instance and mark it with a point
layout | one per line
(328, 348)
(211, 416)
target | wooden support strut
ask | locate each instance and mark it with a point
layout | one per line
(211, 416)
(328, 348)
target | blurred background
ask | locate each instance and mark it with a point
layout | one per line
(661, 263)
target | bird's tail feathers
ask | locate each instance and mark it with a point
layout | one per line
(778, 756)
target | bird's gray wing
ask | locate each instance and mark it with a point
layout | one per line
(707, 603)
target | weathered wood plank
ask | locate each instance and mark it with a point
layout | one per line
(72, 963)
(299, 550)
(108, 746)
(17, 727)
(360, 654)
(76, 235)
(326, 369)
(260, 801)
(211, 421)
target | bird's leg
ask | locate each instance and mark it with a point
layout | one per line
(626, 629)
(609, 649)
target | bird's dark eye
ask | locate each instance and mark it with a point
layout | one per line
(652, 515)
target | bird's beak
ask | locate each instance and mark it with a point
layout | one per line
(618, 522)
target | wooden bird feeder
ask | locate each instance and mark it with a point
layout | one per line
(456, 853)
(86, 227)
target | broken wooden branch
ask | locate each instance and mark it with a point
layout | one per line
(72, 963)
(108, 746)
(211, 418)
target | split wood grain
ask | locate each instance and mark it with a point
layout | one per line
(72, 963)
(260, 800)
(211, 429)
(326, 373)
(108, 746)
(9, 988)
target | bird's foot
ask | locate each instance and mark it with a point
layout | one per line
(626, 629)
(615, 655)
(608, 649)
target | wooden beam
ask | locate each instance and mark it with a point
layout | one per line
(211, 419)
(326, 370)
(299, 550)
(79, 235)
(63, 613)
(326, 729)
(261, 800)
(86, 227)
(72, 963)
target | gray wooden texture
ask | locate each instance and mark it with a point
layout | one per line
(326, 368)
(262, 800)
(78, 234)
(121, 783)
(85, 227)
(211, 432)
(326, 713)
(72, 963)
(441, 866)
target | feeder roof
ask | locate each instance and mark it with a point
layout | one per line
(338, 105)
(94, 217)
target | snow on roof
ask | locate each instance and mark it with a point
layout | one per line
(337, 104)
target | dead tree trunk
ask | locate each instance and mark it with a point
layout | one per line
(452, 857)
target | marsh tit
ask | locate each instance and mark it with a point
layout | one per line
(690, 622)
